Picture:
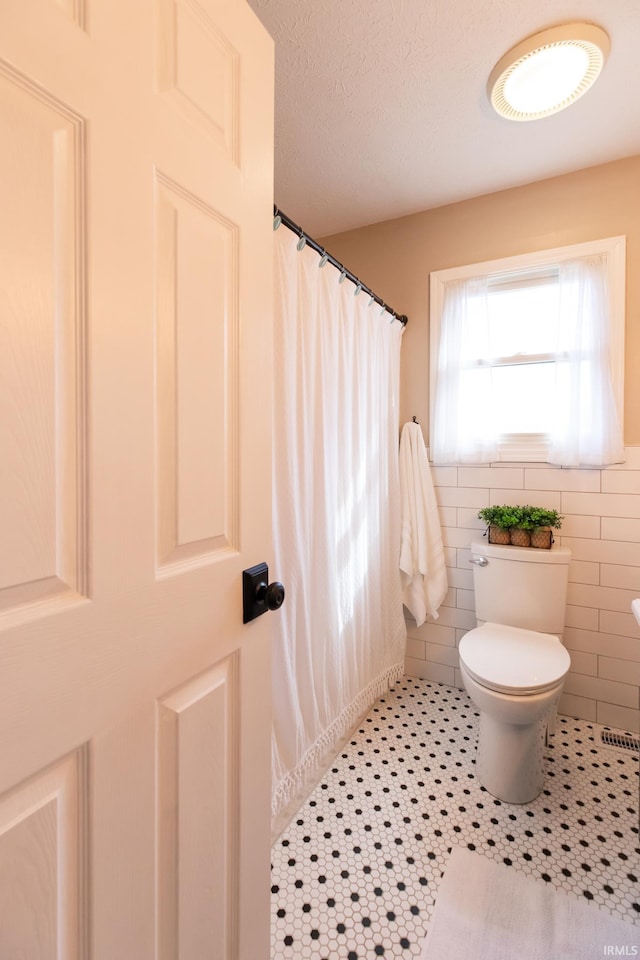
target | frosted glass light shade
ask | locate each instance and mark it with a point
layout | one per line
(548, 71)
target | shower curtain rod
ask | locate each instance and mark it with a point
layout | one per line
(280, 217)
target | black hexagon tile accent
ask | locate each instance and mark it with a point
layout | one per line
(355, 875)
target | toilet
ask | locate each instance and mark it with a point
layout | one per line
(514, 664)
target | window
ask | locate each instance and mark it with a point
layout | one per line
(527, 358)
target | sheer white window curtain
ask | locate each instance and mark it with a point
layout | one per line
(463, 428)
(340, 635)
(586, 428)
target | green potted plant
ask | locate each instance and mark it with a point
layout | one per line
(521, 526)
(539, 522)
(500, 520)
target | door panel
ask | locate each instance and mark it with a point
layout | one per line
(43, 826)
(197, 731)
(198, 67)
(135, 298)
(41, 362)
(197, 378)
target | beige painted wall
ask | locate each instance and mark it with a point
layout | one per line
(395, 258)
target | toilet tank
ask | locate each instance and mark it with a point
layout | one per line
(521, 586)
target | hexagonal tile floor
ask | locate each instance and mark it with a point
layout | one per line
(356, 873)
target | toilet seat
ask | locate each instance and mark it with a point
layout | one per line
(512, 660)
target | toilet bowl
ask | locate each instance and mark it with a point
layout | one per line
(513, 664)
(514, 677)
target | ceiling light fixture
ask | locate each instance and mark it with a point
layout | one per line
(547, 72)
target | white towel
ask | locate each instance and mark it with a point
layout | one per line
(422, 567)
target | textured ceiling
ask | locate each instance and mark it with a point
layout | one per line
(381, 106)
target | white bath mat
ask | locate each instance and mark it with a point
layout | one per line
(489, 911)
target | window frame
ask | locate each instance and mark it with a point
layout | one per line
(523, 447)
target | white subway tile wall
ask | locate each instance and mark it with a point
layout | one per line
(601, 510)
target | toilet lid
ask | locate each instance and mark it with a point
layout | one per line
(512, 660)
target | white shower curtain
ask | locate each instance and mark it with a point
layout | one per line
(340, 636)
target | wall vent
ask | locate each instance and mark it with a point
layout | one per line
(622, 741)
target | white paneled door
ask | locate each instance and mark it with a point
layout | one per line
(136, 141)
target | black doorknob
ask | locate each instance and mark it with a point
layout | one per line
(273, 595)
(258, 595)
